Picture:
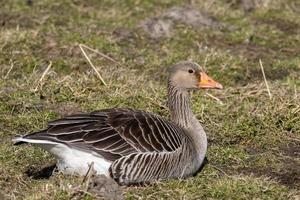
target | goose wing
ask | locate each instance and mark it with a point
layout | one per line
(113, 133)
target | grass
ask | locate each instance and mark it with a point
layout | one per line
(253, 141)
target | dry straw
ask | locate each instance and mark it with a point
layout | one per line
(40, 82)
(265, 79)
(81, 46)
(11, 67)
(101, 54)
(91, 64)
(215, 98)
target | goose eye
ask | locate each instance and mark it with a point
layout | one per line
(191, 71)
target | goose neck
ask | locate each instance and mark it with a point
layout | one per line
(182, 115)
(178, 102)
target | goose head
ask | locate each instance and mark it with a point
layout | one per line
(188, 76)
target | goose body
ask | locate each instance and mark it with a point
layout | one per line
(132, 146)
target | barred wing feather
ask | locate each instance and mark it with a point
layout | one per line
(114, 133)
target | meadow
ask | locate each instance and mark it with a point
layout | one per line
(253, 124)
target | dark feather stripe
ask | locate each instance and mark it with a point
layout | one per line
(155, 138)
(96, 136)
(168, 137)
(167, 145)
(65, 129)
(72, 137)
(136, 131)
(103, 144)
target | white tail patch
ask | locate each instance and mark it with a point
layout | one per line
(71, 160)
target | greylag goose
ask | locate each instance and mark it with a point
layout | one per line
(133, 146)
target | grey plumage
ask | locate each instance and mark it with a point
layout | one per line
(141, 146)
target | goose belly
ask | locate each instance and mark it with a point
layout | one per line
(73, 161)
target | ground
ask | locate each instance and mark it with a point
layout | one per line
(254, 136)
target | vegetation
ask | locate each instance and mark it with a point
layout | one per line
(254, 138)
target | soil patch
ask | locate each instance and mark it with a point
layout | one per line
(191, 17)
(125, 35)
(43, 172)
(291, 150)
(158, 27)
(162, 25)
(105, 187)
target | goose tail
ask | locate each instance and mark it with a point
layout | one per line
(19, 140)
(24, 140)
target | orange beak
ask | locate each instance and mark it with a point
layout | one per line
(206, 82)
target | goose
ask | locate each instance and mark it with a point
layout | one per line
(133, 146)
